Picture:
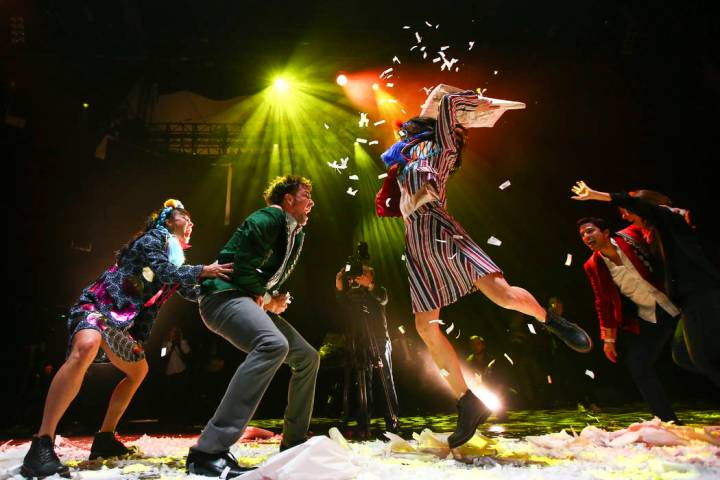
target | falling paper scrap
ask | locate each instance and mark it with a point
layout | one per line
(339, 166)
(428, 23)
(450, 329)
(508, 358)
(396, 60)
(471, 118)
(531, 327)
(568, 260)
(458, 335)
(491, 363)
(379, 122)
(374, 142)
(364, 120)
(505, 185)
(444, 372)
(327, 127)
(402, 257)
(494, 241)
(354, 177)
(590, 374)
(386, 72)
(549, 379)
(471, 45)
(439, 322)
(361, 140)
(382, 175)
(163, 351)
(419, 38)
(350, 191)
(390, 85)
(402, 329)
(387, 202)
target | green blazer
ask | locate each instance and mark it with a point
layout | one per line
(258, 251)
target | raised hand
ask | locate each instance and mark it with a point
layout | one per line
(581, 191)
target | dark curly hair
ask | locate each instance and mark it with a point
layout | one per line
(277, 188)
(600, 223)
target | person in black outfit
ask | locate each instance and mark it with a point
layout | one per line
(368, 346)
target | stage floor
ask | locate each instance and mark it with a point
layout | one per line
(520, 445)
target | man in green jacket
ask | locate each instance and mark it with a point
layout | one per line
(246, 311)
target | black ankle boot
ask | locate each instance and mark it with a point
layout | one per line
(105, 445)
(471, 413)
(572, 335)
(41, 460)
(214, 464)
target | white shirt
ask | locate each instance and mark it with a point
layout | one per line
(175, 363)
(637, 289)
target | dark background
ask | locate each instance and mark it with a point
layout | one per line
(622, 94)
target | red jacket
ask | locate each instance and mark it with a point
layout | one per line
(607, 295)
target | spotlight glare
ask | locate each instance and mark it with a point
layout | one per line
(341, 80)
(281, 85)
(375, 87)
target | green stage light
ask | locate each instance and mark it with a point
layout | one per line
(281, 85)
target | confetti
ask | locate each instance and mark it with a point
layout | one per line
(427, 90)
(504, 185)
(442, 49)
(436, 59)
(428, 23)
(440, 322)
(402, 257)
(444, 372)
(568, 260)
(531, 327)
(508, 358)
(549, 379)
(590, 374)
(390, 85)
(364, 120)
(374, 142)
(449, 329)
(386, 72)
(354, 177)
(339, 166)
(494, 241)
(471, 44)
(381, 176)
(437, 26)
(327, 127)
(424, 54)
(413, 47)
(457, 69)
(379, 122)
(163, 351)
(396, 60)
(406, 27)
(458, 335)
(419, 38)
(402, 329)
(361, 140)
(387, 203)
(351, 192)
(495, 72)
(491, 363)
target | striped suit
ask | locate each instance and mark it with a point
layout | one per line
(443, 262)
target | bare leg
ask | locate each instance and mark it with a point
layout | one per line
(67, 381)
(441, 350)
(496, 288)
(134, 375)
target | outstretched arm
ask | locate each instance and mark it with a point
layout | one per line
(583, 192)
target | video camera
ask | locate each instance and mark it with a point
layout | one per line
(355, 263)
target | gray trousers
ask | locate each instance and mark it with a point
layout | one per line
(269, 341)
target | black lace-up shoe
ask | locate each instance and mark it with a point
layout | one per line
(471, 413)
(286, 446)
(105, 445)
(573, 336)
(214, 464)
(41, 460)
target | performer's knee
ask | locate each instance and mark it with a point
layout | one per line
(274, 346)
(85, 348)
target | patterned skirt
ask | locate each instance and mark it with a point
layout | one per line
(443, 262)
(121, 341)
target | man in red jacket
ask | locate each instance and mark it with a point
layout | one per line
(630, 301)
